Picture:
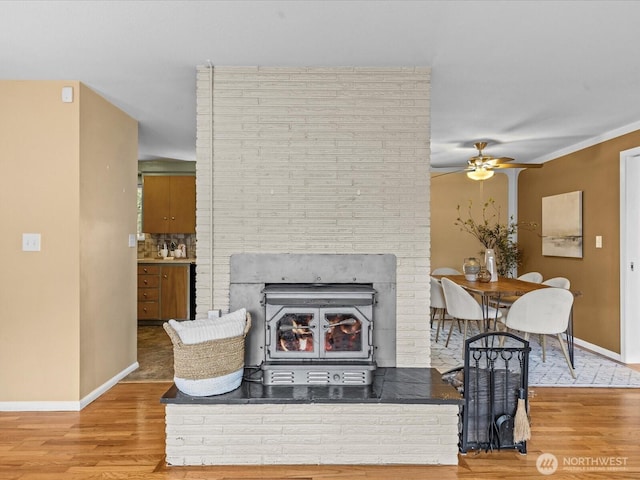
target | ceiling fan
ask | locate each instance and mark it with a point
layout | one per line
(481, 167)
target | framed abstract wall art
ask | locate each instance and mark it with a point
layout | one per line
(562, 225)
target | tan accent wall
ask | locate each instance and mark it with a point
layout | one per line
(449, 245)
(108, 281)
(69, 173)
(596, 172)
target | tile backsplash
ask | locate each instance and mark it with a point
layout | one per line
(148, 248)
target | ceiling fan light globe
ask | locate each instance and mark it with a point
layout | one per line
(480, 174)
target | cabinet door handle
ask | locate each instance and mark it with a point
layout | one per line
(164, 218)
(144, 270)
(165, 276)
(145, 281)
(144, 309)
(173, 218)
(144, 295)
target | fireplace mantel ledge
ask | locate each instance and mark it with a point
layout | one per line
(391, 385)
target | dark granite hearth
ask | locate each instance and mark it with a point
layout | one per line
(390, 385)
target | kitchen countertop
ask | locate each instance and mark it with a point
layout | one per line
(167, 260)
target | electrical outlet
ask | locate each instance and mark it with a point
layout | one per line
(67, 94)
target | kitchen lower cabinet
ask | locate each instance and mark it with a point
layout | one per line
(163, 291)
(174, 292)
(148, 292)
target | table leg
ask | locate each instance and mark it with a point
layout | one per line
(569, 335)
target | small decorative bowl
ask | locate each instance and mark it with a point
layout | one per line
(484, 275)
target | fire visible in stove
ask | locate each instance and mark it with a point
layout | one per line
(310, 327)
(344, 333)
(295, 333)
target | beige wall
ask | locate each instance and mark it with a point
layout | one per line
(108, 281)
(69, 173)
(596, 172)
(449, 245)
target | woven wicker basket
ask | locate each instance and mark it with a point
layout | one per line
(209, 359)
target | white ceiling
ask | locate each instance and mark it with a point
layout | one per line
(532, 78)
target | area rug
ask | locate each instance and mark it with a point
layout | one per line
(592, 370)
(155, 356)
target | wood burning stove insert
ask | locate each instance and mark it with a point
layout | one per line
(318, 334)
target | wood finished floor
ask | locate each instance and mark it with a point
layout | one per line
(121, 436)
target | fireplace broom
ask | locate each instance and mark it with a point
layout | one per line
(521, 428)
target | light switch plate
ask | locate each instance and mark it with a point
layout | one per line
(133, 240)
(598, 241)
(31, 242)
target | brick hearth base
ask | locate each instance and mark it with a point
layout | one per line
(408, 416)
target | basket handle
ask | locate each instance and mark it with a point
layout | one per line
(173, 335)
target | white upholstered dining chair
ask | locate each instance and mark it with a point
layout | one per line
(558, 282)
(545, 312)
(439, 307)
(534, 277)
(461, 305)
(446, 271)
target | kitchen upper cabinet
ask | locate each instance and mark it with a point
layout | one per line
(169, 204)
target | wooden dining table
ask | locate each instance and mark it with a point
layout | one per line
(491, 293)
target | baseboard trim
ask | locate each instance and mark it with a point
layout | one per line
(67, 406)
(108, 384)
(599, 350)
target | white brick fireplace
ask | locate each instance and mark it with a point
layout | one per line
(315, 160)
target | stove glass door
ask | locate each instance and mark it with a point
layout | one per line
(294, 333)
(345, 333)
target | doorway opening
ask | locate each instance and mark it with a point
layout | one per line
(630, 255)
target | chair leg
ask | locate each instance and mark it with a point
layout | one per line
(432, 315)
(449, 336)
(566, 355)
(440, 322)
(464, 337)
(506, 329)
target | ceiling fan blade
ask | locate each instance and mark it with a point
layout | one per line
(503, 159)
(448, 173)
(517, 165)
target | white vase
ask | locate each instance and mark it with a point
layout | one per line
(490, 264)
